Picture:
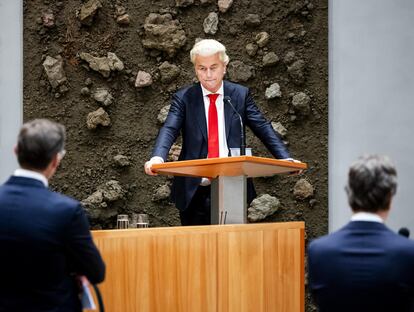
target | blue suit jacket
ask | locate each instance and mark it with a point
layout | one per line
(362, 267)
(187, 115)
(44, 240)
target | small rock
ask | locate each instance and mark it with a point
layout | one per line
(168, 72)
(183, 3)
(95, 198)
(273, 91)
(289, 57)
(303, 189)
(123, 20)
(54, 70)
(270, 59)
(296, 71)
(262, 39)
(48, 19)
(162, 116)
(278, 127)
(98, 117)
(210, 23)
(163, 33)
(103, 96)
(262, 207)
(88, 82)
(120, 10)
(174, 152)
(63, 89)
(251, 49)
(238, 71)
(103, 65)
(252, 20)
(85, 91)
(162, 193)
(300, 102)
(143, 79)
(224, 5)
(88, 11)
(112, 191)
(122, 161)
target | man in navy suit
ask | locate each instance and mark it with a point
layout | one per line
(45, 243)
(364, 267)
(209, 127)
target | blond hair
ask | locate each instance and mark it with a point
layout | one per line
(207, 47)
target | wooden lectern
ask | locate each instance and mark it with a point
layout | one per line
(228, 187)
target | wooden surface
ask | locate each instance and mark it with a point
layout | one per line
(249, 166)
(250, 267)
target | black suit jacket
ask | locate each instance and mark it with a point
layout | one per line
(363, 267)
(187, 115)
(44, 241)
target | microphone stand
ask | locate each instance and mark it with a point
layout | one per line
(242, 136)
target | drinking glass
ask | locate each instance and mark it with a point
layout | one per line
(122, 221)
(142, 221)
(235, 151)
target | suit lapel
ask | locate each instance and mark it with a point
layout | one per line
(228, 111)
(199, 111)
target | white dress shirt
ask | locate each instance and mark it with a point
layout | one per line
(366, 216)
(32, 175)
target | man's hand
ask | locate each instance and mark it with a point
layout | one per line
(149, 163)
(294, 161)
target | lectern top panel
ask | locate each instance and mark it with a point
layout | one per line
(249, 166)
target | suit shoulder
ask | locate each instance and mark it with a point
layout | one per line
(64, 200)
(235, 86)
(182, 92)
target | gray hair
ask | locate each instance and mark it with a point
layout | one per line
(207, 47)
(372, 181)
(38, 142)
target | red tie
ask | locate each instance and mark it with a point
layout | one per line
(213, 140)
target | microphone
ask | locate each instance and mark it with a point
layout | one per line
(242, 138)
(404, 232)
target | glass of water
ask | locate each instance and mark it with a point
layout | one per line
(142, 220)
(122, 221)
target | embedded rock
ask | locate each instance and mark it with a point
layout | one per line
(278, 127)
(174, 152)
(238, 71)
(163, 33)
(296, 72)
(224, 5)
(252, 20)
(122, 161)
(102, 95)
(183, 3)
(112, 191)
(123, 20)
(143, 79)
(162, 116)
(103, 65)
(168, 72)
(48, 19)
(262, 207)
(98, 117)
(289, 58)
(162, 193)
(262, 39)
(270, 59)
(210, 24)
(88, 11)
(273, 91)
(54, 70)
(251, 49)
(301, 103)
(303, 189)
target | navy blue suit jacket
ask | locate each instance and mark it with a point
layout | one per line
(362, 267)
(187, 115)
(44, 241)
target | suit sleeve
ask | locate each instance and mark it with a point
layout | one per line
(171, 129)
(264, 130)
(84, 257)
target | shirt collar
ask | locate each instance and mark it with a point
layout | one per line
(366, 216)
(32, 175)
(206, 92)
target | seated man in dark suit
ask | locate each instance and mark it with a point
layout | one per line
(45, 241)
(364, 266)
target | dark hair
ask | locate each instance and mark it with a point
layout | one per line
(38, 142)
(372, 181)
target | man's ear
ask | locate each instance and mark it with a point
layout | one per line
(15, 149)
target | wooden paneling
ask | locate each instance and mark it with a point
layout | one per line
(251, 267)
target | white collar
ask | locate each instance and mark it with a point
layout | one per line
(32, 175)
(366, 216)
(206, 92)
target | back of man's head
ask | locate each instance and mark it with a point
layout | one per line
(38, 142)
(372, 181)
